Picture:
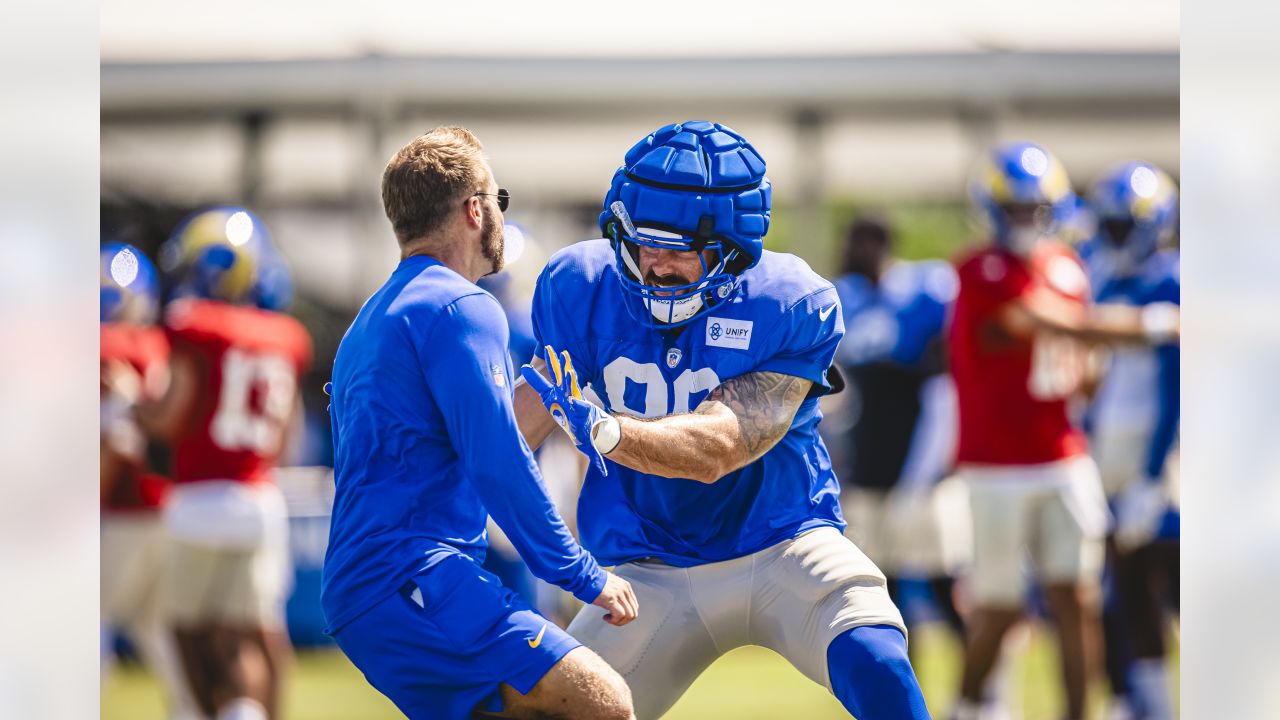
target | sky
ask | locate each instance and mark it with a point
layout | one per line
(152, 31)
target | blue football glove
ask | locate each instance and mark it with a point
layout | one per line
(575, 414)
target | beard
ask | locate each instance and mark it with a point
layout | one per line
(492, 241)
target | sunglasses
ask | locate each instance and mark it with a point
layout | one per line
(504, 198)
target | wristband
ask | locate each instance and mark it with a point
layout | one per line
(1160, 321)
(606, 434)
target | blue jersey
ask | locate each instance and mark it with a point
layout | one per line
(783, 318)
(426, 444)
(891, 348)
(897, 320)
(1141, 389)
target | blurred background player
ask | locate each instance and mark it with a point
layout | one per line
(1133, 428)
(232, 393)
(709, 486)
(898, 412)
(1018, 359)
(134, 359)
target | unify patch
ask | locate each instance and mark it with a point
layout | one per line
(727, 333)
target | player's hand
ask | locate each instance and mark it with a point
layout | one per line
(1138, 512)
(618, 600)
(576, 415)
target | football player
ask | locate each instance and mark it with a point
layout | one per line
(233, 391)
(901, 409)
(709, 487)
(134, 359)
(426, 446)
(1133, 423)
(1018, 354)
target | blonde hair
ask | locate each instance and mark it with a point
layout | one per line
(425, 178)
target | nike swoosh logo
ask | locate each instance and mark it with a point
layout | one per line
(538, 640)
(824, 314)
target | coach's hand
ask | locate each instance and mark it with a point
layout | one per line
(618, 600)
(576, 415)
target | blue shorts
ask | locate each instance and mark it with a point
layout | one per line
(440, 647)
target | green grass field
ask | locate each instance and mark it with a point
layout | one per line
(747, 684)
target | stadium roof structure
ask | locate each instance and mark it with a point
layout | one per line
(524, 83)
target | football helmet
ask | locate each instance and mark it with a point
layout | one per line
(694, 186)
(1021, 177)
(130, 287)
(217, 253)
(274, 287)
(1137, 209)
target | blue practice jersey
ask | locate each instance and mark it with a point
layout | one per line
(426, 444)
(899, 319)
(1141, 389)
(783, 318)
(892, 347)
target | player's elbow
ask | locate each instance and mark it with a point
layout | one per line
(719, 460)
(707, 475)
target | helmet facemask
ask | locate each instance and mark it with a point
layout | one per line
(1021, 227)
(1022, 192)
(670, 306)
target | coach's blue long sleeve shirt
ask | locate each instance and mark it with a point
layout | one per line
(426, 444)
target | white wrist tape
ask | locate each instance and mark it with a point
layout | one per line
(606, 434)
(1160, 321)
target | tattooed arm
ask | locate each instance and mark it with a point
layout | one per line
(737, 424)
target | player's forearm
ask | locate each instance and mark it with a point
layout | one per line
(735, 425)
(517, 500)
(1100, 324)
(703, 446)
(166, 418)
(532, 418)
(553, 556)
(1113, 324)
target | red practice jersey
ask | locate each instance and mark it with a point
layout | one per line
(1013, 392)
(248, 363)
(146, 350)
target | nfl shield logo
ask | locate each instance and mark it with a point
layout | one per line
(673, 357)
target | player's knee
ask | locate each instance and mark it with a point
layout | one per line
(617, 708)
(599, 690)
(613, 694)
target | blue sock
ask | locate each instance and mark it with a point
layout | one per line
(872, 677)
